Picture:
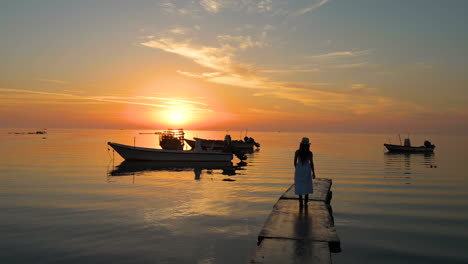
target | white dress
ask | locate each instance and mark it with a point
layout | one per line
(303, 178)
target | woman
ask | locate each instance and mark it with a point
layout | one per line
(304, 171)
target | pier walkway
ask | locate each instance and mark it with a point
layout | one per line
(299, 235)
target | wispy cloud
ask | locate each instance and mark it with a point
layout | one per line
(178, 30)
(203, 75)
(6, 90)
(51, 81)
(362, 88)
(291, 70)
(341, 54)
(163, 99)
(221, 59)
(170, 104)
(160, 102)
(224, 69)
(271, 112)
(189, 74)
(310, 8)
(344, 59)
(264, 6)
(210, 57)
(212, 6)
(171, 8)
(353, 65)
(243, 42)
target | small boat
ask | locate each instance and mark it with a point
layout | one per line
(246, 146)
(428, 147)
(150, 154)
(207, 144)
(38, 132)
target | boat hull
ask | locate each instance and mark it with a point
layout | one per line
(407, 149)
(132, 153)
(220, 145)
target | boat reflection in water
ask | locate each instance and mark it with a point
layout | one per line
(127, 168)
(401, 165)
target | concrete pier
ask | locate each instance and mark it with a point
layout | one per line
(292, 234)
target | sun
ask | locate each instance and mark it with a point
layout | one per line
(176, 117)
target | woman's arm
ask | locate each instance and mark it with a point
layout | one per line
(312, 165)
(295, 159)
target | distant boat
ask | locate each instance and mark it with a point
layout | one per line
(38, 132)
(428, 147)
(133, 153)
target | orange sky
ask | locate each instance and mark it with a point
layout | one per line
(224, 65)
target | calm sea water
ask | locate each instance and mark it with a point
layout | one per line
(60, 202)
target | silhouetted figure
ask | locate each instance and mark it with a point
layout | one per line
(304, 171)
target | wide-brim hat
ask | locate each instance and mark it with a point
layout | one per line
(305, 141)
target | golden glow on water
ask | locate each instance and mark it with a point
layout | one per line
(62, 181)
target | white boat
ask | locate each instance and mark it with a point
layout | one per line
(150, 154)
(428, 147)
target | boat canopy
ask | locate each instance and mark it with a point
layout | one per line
(407, 142)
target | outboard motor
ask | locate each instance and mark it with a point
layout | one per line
(198, 145)
(427, 144)
(256, 144)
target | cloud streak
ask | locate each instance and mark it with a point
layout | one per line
(211, 6)
(341, 54)
(344, 59)
(242, 42)
(225, 70)
(170, 8)
(6, 90)
(353, 65)
(213, 58)
(310, 8)
(160, 102)
(51, 81)
(253, 7)
(222, 68)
